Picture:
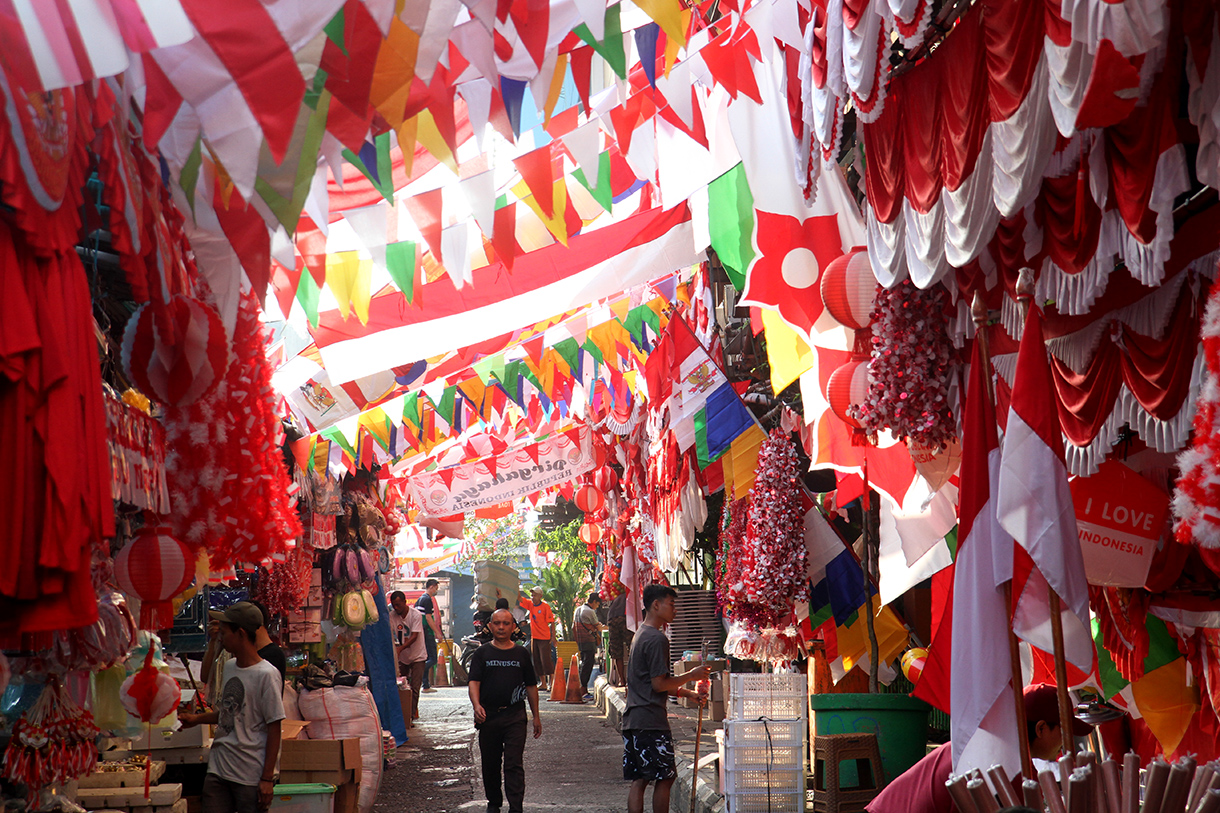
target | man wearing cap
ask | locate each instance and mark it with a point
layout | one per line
(241, 766)
(542, 634)
(922, 788)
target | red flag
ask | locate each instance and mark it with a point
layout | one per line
(1035, 506)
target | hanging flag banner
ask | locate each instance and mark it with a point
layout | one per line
(1121, 516)
(507, 476)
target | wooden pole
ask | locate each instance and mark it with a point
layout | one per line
(1025, 295)
(978, 312)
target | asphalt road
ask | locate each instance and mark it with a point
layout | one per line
(575, 766)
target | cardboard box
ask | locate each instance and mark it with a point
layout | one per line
(717, 709)
(406, 701)
(347, 798)
(314, 597)
(317, 777)
(311, 615)
(199, 736)
(305, 632)
(315, 577)
(320, 755)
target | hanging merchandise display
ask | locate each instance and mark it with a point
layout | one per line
(155, 567)
(228, 484)
(912, 369)
(137, 453)
(53, 742)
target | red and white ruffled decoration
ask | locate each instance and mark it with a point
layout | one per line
(229, 486)
(1197, 496)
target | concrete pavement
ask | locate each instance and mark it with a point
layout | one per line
(575, 766)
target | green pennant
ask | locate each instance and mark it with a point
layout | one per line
(951, 541)
(603, 194)
(334, 31)
(288, 210)
(510, 379)
(485, 369)
(308, 294)
(569, 351)
(410, 409)
(333, 434)
(314, 91)
(731, 223)
(189, 177)
(502, 201)
(382, 179)
(610, 48)
(400, 262)
(594, 351)
(445, 407)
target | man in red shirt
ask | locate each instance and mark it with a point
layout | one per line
(542, 635)
(922, 788)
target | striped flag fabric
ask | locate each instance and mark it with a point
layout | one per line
(1035, 506)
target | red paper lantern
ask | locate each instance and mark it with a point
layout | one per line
(605, 478)
(590, 534)
(155, 567)
(178, 354)
(849, 288)
(589, 499)
(848, 386)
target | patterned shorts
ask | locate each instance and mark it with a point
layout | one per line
(648, 755)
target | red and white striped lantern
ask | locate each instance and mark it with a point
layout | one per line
(154, 567)
(589, 499)
(849, 288)
(177, 355)
(847, 386)
(590, 534)
(605, 478)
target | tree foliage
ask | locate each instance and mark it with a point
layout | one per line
(568, 581)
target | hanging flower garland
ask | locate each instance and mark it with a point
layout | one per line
(912, 366)
(228, 483)
(775, 532)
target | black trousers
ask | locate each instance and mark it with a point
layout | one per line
(502, 741)
(587, 656)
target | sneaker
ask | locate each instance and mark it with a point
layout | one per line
(429, 690)
(587, 698)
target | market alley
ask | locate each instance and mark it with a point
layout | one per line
(575, 766)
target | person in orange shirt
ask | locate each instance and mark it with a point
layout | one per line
(542, 635)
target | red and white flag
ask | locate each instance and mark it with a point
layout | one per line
(1035, 506)
(984, 726)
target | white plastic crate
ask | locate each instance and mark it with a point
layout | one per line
(784, 756)
(767, 801)
(764, 733)
(780, 696)
(762, 777)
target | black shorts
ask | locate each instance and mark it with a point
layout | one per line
(648, 754)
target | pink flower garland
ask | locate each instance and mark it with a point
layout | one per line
(913, 363)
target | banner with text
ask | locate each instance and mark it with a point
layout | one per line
(1121, 517)
(511, 474)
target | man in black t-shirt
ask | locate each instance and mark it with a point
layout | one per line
(648, 746)
(501, 680)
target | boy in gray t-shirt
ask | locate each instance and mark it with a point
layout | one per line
(241, 767)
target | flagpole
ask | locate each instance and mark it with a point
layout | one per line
(1025, 296)
(978, 311)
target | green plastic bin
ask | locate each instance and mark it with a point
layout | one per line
(310, 798)
(899, 721)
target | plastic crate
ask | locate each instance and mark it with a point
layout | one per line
(310, 798)
(764, 733)
(766, 801)
(761, 778)
(785, 756)
(781, 696)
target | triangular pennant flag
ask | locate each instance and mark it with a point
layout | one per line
(584, 143)
(505, 238)
(455, 253)
(342, 268)
(667, 13)
(513, 93)
(477, 94)
(400, 262)
(480, 192)
(369, 224)
(646, 46)
(582, 73)
(410, 409)
(610, 45)
(425, 210)
(308, 294)
(536, 171)
(601, 193)
(593, 15)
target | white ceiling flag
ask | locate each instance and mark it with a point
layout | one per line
(480, 192)
(455, 252)
(593, 14)
(585, 145)
(369, 224)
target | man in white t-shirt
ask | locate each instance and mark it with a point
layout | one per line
(407, 624)
(241, 766)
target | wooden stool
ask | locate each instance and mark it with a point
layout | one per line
(829, 750)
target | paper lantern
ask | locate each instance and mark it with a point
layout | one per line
(590, 534)
(846, 386)
(150, 694)
(155, 567)
(605, 479)
(933, 464)
(913, 662)
(849, 288)
(589, 499)
(176, 353)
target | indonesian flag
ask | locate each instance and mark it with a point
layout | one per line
(1035, 506)
(974, 636)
